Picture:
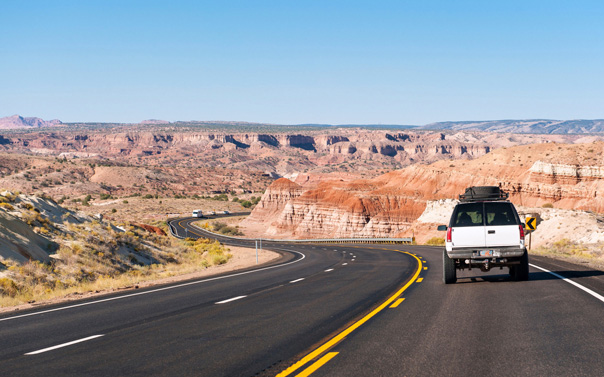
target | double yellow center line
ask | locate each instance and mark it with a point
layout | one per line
(336, 339)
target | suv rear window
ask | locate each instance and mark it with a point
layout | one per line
(469, 214)
(499, 214)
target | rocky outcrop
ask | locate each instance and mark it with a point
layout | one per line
(389, 204)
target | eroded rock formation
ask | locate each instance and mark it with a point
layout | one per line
(389, 204)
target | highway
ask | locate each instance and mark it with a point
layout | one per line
(325, 310)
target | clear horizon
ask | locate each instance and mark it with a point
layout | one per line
(360, 62)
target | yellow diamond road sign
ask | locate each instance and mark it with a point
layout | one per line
(531, 223)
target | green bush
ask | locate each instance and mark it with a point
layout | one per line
(105, 196)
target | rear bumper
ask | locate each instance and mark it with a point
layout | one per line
(482, 253)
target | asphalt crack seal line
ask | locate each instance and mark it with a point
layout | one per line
(338, 338)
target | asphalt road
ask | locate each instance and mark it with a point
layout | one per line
(325, 309)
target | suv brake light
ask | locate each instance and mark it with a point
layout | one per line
(521, 232)
(449, 234)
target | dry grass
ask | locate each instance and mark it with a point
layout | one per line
(436, 241)
(590, 254)
(94, 257)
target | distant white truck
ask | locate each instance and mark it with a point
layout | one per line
(198, 213)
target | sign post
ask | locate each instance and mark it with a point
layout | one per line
(530, 225)
(256, 251)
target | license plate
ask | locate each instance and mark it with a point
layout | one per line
(488, 253)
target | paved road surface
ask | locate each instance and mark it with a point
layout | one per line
(333, 310)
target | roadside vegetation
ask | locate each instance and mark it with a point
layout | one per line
(592, 254)
(93, 256)
(436, 241)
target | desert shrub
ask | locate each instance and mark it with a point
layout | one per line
(125, 202)
(113, 210)
(148, 196)
(6, 206)
(86, 200)
(436, 241)
(8, 287)
(105, 196)
(246, 204)
(218, 226)
(230, 231)
(547, 205)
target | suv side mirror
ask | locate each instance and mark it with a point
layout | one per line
(442, 228)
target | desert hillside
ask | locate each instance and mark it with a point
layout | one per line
(562, 176)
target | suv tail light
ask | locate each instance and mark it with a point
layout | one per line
(521, 232)
(449, 234)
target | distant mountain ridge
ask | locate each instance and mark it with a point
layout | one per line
(518, 126)
(527, 126)
(17, 121)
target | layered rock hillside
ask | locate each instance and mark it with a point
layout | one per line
(563, 175)
(282, 153)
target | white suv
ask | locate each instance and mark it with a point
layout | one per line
(485, 232)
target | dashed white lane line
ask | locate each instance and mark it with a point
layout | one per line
(598, 296)
(297, 280)
(344, 264)
(230, 299)
(328, 270)
(64, 345)
(156, 290)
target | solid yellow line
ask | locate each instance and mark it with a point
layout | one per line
(397, 303)
(190, 231)
(333, 341)
(318, 364)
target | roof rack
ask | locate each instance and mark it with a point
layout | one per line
(483, 193)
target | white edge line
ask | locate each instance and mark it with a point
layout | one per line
(63, 345)
(230, 299)
(297, 280)
(158, 289)
(596, 295)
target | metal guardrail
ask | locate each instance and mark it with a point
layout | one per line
(407, 240)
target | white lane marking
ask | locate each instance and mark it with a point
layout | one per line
(352, 260)
(596, 295)
(297, 280)
(344, 264)
(230, 299)
(158, 289)
(63, 345)
(331, 269)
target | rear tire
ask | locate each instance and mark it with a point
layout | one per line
(449, 271)
(513, 272)
(522, 270)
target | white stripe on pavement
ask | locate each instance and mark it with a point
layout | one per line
(63, 345)
(230, 299)
(598, 296)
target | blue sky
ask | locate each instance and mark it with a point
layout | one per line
(291, 62)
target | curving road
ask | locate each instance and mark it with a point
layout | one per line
(324, 309)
